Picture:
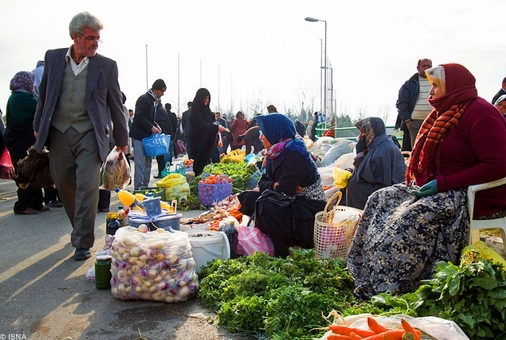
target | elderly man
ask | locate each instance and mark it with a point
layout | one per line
(78, 95)
(412, 104)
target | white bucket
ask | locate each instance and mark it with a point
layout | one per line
(208, 245)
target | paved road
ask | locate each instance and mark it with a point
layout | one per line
(44, 293)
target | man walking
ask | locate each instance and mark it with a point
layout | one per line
(412, 104)
(78, 89)
(143, 126)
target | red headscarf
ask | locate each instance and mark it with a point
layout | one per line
(458, 85)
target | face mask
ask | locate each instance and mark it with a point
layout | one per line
(360, 145)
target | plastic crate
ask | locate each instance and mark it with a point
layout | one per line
(156, 191)
(209, 193)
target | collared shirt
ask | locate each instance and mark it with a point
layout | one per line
(76, 68)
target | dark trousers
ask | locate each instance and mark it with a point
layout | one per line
(74, 164)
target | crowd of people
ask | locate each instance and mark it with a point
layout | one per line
(413, 215)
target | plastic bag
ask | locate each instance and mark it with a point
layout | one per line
(115, 172)
(341, 177)
(90, 274)
(6, 166)
(251, 239)
(437, 328)
(156, 265)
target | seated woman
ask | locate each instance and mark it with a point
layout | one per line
(288, 169)
(378, 164)
(406, 229)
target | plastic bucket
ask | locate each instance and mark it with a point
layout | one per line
(208, 245)
(168, 221)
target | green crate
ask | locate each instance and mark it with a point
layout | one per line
(156, 191)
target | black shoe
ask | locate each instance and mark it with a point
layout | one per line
(157, 176)
(82, 254)
(103, 209)
(54, 204)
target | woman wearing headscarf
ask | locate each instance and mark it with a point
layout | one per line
(407, 228)
(203, 130)
(379, 162)
(287, 169)
(19, 137)
(500, 104)
(238, 128)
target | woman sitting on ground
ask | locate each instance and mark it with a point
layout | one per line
(378, 164)
(406, 229)
(288, 169)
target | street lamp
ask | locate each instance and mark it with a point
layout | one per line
(310, 19)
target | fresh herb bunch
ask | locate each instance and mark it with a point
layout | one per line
(473, 295)
(282, 298)
(239, 172)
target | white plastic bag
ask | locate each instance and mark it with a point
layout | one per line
(115, 172)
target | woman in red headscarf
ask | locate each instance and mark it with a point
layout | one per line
(407, 228)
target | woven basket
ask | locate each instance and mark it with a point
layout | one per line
(333, 240)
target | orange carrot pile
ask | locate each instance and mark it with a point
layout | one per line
(375, 332)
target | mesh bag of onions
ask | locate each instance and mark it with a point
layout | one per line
(152, 265)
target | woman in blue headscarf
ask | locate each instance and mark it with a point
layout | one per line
(288, 168)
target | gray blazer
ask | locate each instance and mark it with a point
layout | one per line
(103, 95)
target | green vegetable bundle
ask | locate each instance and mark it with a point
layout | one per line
(282, 298)
(472, 294)
(239, 172)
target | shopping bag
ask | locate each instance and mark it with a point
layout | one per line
(251, 239)
(6, 166)
(156, 145)
(115, 172)
(180, 147)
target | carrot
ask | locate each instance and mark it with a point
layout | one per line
(346, 330)
(338, 337)
(392, 334)
(408, 328)
(355, 336)
(375, 326)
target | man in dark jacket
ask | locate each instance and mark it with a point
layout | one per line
(163, 120)
(412, 105)
(143, 126)
(175, 132)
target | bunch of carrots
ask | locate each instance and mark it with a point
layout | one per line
(375, 332)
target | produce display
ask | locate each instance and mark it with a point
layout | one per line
(286, 298)
(214, 188)
(156, 265)
(239, 172)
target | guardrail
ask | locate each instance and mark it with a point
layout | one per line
(351, 132)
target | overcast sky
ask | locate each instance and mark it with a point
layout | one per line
(253, 53)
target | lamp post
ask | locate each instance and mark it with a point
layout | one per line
(310, 19)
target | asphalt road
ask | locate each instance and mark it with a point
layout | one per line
(44, 293)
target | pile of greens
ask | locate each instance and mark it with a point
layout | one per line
(239, 172)
(472, 294)
(280, 298)
(285, 298)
